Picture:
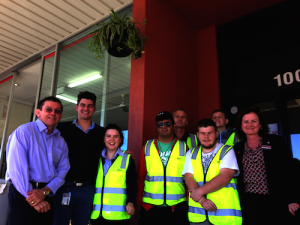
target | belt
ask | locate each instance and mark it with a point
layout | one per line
(78, 184)
(38, 185)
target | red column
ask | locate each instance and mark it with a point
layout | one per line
(165, 77)
(208, 77)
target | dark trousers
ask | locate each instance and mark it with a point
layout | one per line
(159, 215)
(21, 213)
(101, 221)
(80, 208)
(263, 210)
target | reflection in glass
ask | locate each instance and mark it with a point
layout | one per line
(47, 76)
(24, 97)
(108, 78)
(5, 87)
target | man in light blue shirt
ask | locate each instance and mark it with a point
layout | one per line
(37, 160)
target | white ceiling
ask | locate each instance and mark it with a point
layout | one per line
(29, 26)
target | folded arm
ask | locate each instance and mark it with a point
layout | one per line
(214, 184)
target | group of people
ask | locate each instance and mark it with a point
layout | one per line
(77, 171)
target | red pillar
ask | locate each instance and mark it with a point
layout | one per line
(165, 77)
(208, 77)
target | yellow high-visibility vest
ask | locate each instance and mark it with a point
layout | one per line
(192, 141)
(113, 188)
(233, 139)
(226, 199)
(164, 184)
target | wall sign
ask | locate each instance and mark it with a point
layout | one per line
(287, 78)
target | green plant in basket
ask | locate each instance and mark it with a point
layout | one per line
(119, 36)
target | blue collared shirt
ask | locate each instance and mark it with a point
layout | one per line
(108, 163)
(91, 127)
(33, 155)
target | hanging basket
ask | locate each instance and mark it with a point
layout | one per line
(117, 43)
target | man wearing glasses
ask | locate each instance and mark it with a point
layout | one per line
(37, 159)
(74, 200)
(161, 192)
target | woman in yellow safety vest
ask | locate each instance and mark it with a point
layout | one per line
(116, 189)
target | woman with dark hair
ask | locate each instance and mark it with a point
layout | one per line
(264, 183)
(116, 182)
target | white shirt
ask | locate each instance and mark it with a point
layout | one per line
(228, 161)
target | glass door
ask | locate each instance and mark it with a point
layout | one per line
(5, 90)
(293, 109)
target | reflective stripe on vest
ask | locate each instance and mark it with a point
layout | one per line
(230, 185)
(161, 178)
(175, 197)
(226, 199)
(158, 178)
(192, 141)
(114, 191)
(111, 208)
(219, 212)
(182, 149)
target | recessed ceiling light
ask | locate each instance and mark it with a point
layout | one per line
(83, 81)
(17, 85)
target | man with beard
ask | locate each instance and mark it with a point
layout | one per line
(161, 193)
(209, 172)
(181, 120)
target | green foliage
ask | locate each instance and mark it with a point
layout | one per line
(103, 36)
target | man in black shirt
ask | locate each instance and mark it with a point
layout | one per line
(74, 200)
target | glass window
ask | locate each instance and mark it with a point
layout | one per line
(24, 98)
(111, 83)
(5, 87)
(47, 76)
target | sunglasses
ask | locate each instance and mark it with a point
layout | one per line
(50, 110)
(160, 125)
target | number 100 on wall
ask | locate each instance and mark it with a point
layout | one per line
(287, 78)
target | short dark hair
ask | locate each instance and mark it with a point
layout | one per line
(206, 123)
(86, 95)
(115, 127)
(181, 109)
(219, 110)
(164, 115)
(49, 98)
(264, 126)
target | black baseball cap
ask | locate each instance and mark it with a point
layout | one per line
(164, 115)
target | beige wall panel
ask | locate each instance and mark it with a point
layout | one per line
(13, 50)
(82, 5)
(33, 21)
(58, 16)
(4, 59)
(20, 43)
(9, 56)
(26, 35)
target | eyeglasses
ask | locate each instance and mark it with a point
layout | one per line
(160, 125)
(50, 110)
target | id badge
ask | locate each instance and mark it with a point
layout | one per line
(66, 198)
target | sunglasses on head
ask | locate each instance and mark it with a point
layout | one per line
(49, 110)
(160, 125)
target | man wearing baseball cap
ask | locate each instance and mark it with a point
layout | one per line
(161, 191)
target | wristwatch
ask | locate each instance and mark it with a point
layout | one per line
(46, 192)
